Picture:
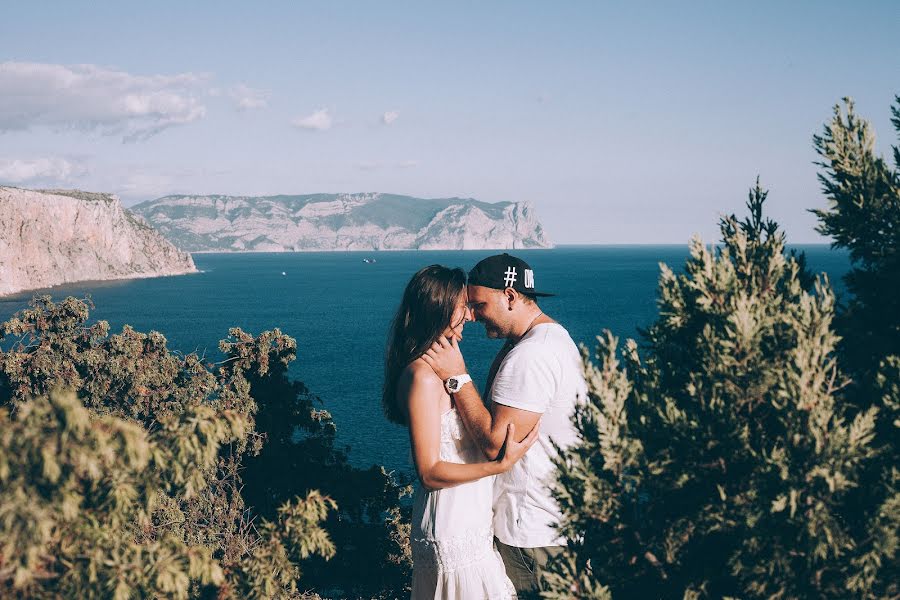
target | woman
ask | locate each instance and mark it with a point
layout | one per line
(452, 535)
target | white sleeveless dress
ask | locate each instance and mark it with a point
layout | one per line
(452, 534)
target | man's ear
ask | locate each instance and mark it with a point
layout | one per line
(512, 296)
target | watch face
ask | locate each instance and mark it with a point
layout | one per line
(452, 383)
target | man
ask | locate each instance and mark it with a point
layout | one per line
(536, 376)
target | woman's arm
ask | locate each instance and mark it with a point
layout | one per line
(488, 427)
(423, 390)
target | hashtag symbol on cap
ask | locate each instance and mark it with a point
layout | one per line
(510, 276)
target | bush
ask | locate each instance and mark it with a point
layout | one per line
(82, 497)
(722, 459)
(275, 437)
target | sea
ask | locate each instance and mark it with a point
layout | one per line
(339, 306)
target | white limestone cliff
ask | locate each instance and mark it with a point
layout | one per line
(50, 237)
(341, 222)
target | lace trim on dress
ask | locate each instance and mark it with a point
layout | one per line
(451, 426)
(454, 553)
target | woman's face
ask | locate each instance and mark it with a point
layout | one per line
(461, 314)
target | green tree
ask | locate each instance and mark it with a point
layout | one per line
(863, 216)
(286, 447)
(298, 456)
(718, 462)
(80, 497)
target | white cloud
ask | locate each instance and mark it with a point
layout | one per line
(318, 121)
(50, 169)
(93, 98)
(389, 117)
(248, 98)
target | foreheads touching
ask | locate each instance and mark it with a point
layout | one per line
(500, 311)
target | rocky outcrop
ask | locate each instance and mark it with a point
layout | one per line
(50, 237)
(341, 222)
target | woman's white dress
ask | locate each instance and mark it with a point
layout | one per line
(452, 534)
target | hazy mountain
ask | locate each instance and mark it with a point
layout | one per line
(341, 222)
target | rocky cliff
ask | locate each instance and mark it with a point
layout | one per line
(341, 222)
(49, 237)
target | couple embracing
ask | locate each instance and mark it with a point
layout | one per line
(484, 520)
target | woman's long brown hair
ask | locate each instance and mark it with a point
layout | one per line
(428, 303)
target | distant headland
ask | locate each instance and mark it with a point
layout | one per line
(52, 237)
(369, 221)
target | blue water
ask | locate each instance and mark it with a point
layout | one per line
(339, 309)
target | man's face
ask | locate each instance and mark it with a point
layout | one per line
(489, 307)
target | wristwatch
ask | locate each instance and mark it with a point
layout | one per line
(453, 384)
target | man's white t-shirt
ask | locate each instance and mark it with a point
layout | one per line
(542, 374)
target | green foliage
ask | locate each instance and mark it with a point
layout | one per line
(722, 461)
(284, 447)
(271, 570)
(72, 486)
(863, 216)
(79, 493)
(298, 456)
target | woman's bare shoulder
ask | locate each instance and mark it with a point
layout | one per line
(419, 373)
(422, 388)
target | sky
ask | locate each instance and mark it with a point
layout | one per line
(622, 123)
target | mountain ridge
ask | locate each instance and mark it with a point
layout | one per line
(340, 221)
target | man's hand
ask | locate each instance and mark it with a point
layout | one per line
(445, 359)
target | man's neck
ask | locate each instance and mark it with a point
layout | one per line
(537, 318)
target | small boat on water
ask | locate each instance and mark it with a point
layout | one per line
(368, 261)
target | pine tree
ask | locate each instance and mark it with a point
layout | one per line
(133, 379)
(79, 504)
(863, 216)
(374, 560)
(717, 461)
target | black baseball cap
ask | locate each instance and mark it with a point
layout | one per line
(503, 271)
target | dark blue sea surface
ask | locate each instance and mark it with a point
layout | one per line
(339, 308)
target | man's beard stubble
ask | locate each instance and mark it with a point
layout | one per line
(493, 332)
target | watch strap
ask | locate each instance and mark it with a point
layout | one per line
(458, 381)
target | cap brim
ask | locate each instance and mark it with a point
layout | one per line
(540, 294)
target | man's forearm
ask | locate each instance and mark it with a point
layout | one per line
(478, 420)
